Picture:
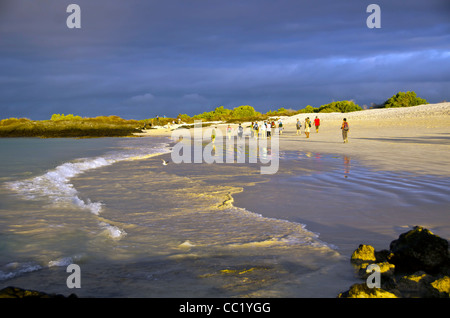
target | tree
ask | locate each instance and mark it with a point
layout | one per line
(309, 109)
(344, 106)
(244, 111)
(184, 118)
(402, 99)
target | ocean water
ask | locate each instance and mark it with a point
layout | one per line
(138, 228)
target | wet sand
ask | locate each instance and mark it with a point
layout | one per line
(350, 204)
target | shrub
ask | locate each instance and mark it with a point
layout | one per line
(14, 121)
(402, 99)
(244, 112)
(308, 109)
(344, 106)
(282, 112)
(184, 118)
(56, 117)
(221, 113)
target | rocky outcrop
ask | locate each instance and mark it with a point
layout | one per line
(15, 292)
(417, 264)
(363, 254)
(419, 249)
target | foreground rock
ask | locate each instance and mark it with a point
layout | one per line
(15, 292)
(417, 264)
(419, 249)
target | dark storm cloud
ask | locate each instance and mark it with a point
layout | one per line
(138, 59)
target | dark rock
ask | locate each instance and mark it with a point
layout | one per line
(15, 292)
(383, 256)
(417, 265)
(416, 285)
(419, 249)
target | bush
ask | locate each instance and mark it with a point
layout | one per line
(14, 121)
(56, 117)
(184, 118)
(344, 106)
(223, 114)
(244, 112)
(310, 109)
(282, 112)
(69, 126)
(402, 99)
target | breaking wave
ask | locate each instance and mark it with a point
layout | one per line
(55, 187)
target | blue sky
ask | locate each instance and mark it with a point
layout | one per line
(138, 59)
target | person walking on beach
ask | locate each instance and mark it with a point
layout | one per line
(240, 131)
(229, 132)
(269, 131)
(345, 128)
(307, 126)
(256, 130)
(263, 130)
(317, 124)
(280, 127)
(213, 134)
(299, 127)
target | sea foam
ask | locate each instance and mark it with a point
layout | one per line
(15, 269)
(54, 186)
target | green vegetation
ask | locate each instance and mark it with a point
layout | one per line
(69, 126)
(283, 112)
(309, 109)
(344, 106)
(402, 99)
(56, 117)
(241, 113)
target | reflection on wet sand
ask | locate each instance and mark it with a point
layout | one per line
(346, 166)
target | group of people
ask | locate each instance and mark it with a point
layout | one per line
(344, 127)
(308, 125)
(265, 129)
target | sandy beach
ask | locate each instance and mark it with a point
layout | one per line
(414, 139)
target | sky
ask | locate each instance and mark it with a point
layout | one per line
(141, 58)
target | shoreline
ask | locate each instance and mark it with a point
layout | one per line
(413, 139)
